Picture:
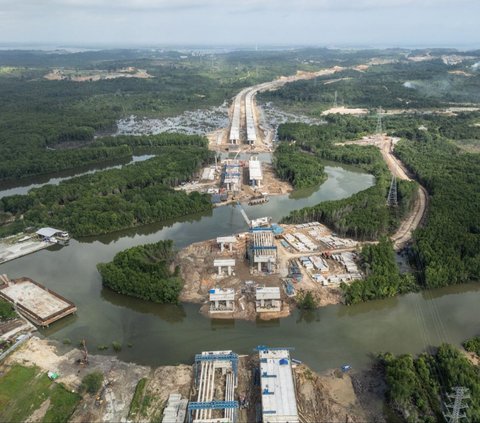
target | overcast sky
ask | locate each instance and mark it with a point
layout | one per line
(241, 22)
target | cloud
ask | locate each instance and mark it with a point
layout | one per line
(240, 21)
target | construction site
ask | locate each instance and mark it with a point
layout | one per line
(35, 302)
(222, 386)
(258, 274)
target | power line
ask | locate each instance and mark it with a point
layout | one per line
(379, 129)
(455, 411)
(392, 200)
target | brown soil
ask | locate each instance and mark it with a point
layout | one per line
(162, 382)
(199, 274)
(331, 397)
(327, 398)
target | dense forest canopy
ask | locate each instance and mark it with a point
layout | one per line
(418, 387)
(382, 279)
(364, 215)
(116, 199)
(145, 272)
(447, 249)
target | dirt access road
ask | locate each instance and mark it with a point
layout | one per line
(413, 220)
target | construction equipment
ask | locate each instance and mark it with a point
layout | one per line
(84, 360)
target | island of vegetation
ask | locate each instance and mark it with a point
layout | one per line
(145, 272)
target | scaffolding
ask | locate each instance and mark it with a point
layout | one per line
(207, 365)
(231, 175)
(263, 249)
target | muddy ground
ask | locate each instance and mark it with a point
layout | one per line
(199, 274)
(330, 397)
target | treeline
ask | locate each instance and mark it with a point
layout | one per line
(364, 215)
(405, 84)
(299, 168)
(145, 272)
(337, 128)
(417, 387)
(39, 118)
(115, 199)
(447, 249)
(382, 279)
(473, 345)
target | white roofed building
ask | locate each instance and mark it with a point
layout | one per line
(279, 403)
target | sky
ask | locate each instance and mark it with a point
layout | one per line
(450, 23)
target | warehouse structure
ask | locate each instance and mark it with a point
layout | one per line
(215, 380)
(268, 299)
(234, 136)
(222, 300)
(279, 403)
(255, 172)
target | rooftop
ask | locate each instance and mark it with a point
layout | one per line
(279, 403)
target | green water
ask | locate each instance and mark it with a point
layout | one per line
(165, 334)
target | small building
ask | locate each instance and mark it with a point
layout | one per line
(48, 234)
(279, 402)
(268, 299)
(226, 240)
(222, 300)
(255, 172)
(221, 263)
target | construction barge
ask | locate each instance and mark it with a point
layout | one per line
(34, 301)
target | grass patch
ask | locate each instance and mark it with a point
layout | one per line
(137, 400)
(7, 311)
(62, 404)
(24, 389)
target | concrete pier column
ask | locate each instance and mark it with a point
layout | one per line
(231, 247)
(229, 269)
(219, 270)
(259, 266)
(221, 246)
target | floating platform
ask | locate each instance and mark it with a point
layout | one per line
(257, 200)
(37, 303)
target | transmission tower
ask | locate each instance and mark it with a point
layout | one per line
(335, 102)
(455, 411)
(392, 200)
(379, 129)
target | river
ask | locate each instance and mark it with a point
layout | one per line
(166, 334)
(22, 186)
